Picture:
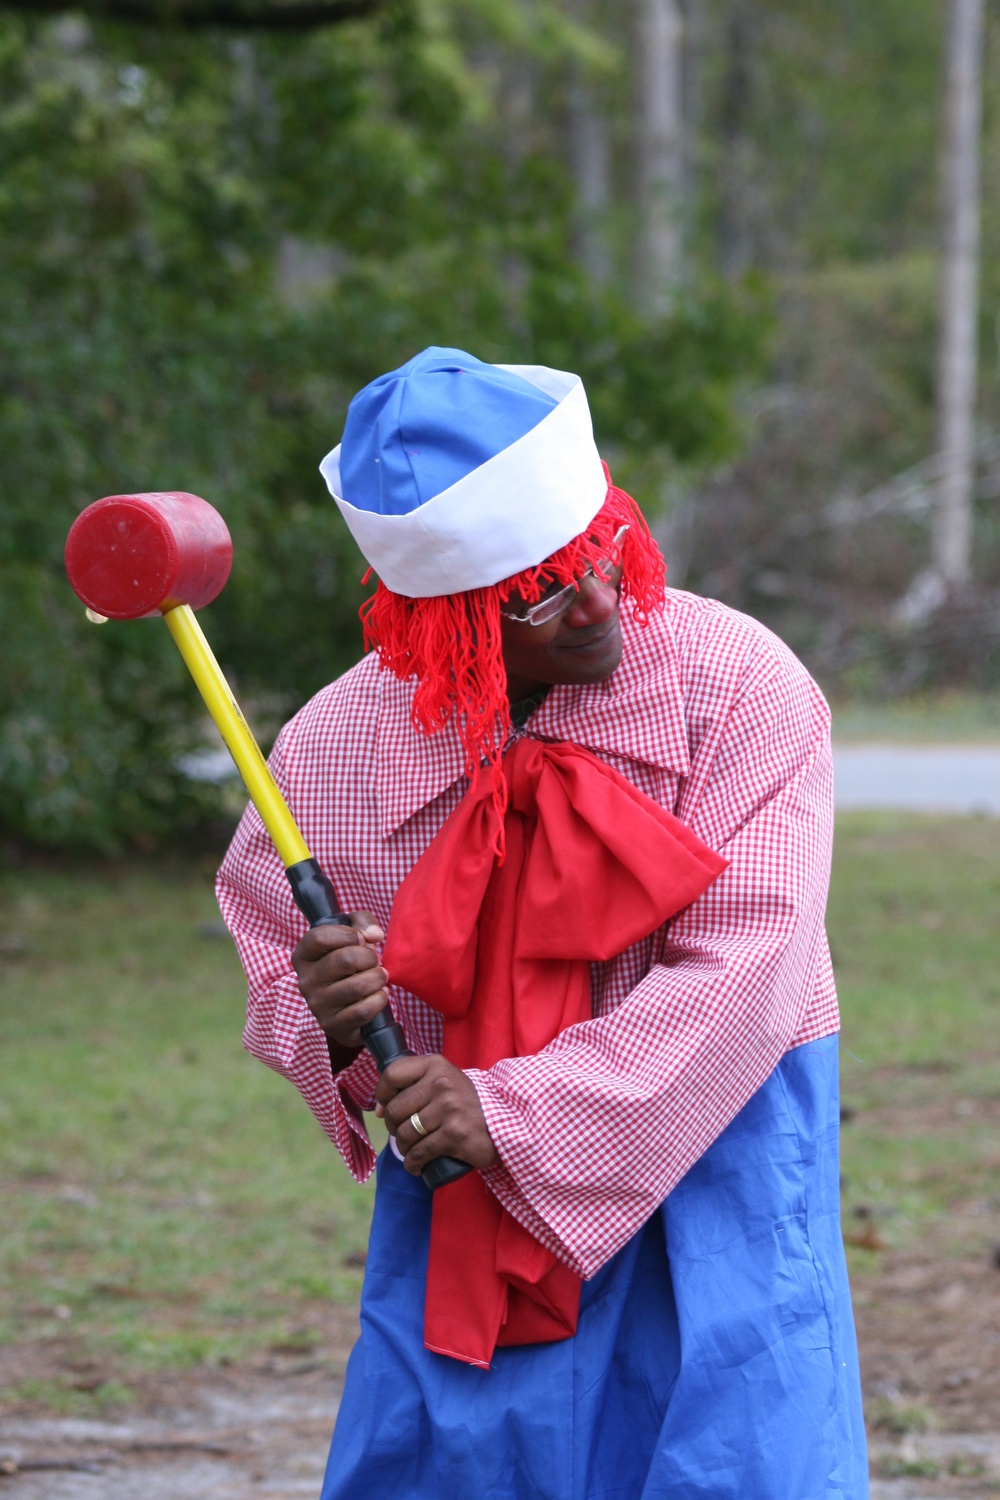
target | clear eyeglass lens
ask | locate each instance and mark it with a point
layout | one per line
(547, 609)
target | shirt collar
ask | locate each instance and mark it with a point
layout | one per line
(638, 713)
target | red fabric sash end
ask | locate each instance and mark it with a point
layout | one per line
(504, 952)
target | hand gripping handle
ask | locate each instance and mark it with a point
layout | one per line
(315, 898)
(312, 891)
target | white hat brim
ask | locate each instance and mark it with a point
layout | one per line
(509, 514)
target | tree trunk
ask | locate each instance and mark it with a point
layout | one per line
(957, 351)
(695, 47)
(735, 234)
(590, 158)
(659, 152)
(518, 118)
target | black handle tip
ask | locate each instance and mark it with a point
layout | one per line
(383, 1036)
(442, 1170)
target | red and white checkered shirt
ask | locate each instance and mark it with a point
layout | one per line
(715, 719)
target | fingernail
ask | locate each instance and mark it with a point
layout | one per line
(375, 934)
(379, 1111)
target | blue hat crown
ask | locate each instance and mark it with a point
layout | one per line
(415, 432)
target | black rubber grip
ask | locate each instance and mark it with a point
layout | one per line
(314, 895)
(317, 901)
(385, 1041)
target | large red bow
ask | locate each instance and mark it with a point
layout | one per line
(503, 952)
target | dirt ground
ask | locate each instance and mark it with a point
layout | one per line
(228, 1433)
(929, 1328)
(929, 1333)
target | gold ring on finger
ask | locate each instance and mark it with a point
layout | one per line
(418, 1124)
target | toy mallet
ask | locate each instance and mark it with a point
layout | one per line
(131, 556)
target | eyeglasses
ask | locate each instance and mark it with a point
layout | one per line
(553, 604)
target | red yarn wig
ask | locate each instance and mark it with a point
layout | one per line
(451, 643)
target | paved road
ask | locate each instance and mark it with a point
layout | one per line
(919, 778)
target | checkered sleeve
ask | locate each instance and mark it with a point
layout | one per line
(281, 1031)
(596, 1130)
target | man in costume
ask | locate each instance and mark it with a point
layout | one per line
(591, 818)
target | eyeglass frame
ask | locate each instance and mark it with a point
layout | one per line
(546, 609)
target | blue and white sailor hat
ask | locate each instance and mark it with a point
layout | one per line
(453, 474)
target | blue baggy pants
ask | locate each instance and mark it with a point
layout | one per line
(715, 1357)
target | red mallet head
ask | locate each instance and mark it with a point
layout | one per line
(134, 555)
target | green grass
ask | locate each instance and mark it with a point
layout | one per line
(915, 930)
(165, 1200)
(962, 718)
(163, 1197)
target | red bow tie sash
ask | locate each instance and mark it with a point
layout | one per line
(504, 953)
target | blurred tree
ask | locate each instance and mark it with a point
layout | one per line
(659, 151)
(957, 352)
(734, 214)
(209, 242)
(262, 15)
(590, 163)
(819, 167)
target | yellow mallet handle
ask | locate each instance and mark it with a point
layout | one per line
(311, 890)
(229, 720)
(197, 536)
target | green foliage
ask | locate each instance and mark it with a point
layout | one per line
(836, 107)
(802, 530)
(820, 163)
(160, 195)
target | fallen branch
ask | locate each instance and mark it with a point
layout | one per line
(175, 1445)
(91, 1465)
(94, 1463)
